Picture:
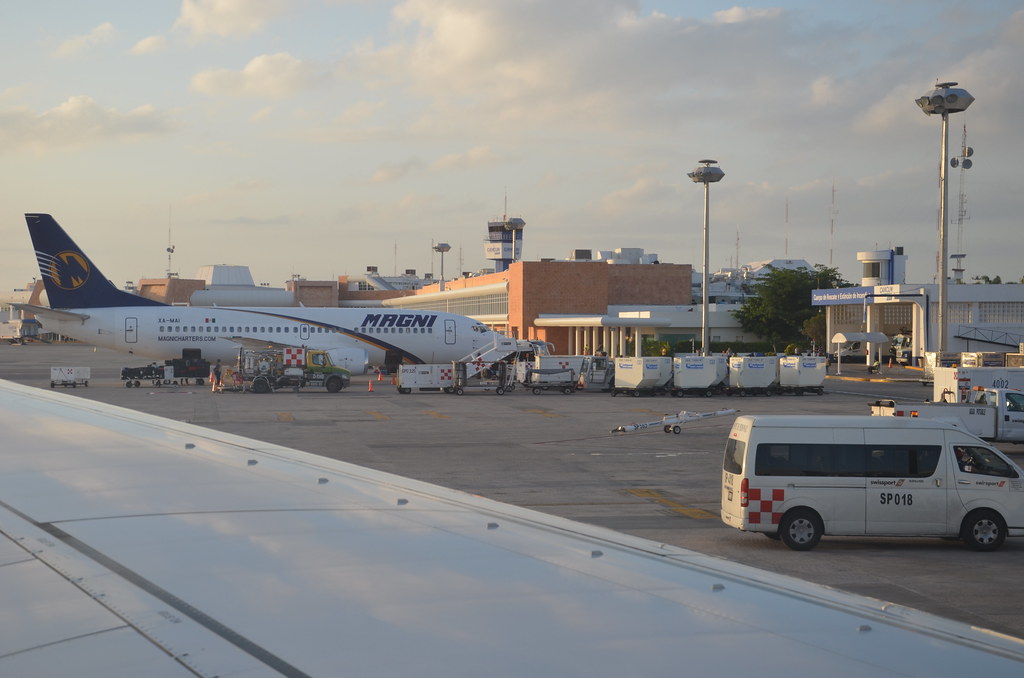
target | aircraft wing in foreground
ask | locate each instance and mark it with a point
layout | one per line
(132, 545)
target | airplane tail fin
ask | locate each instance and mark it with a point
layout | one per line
(70, 278)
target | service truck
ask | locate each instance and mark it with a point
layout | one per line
(270, 369)
(995, 414)
(956, 383)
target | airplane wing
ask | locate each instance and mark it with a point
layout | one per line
(47, 312)
(257, 344)
(132, 545)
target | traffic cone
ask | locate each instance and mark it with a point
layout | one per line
(370, 384)
(380, 376)
(394, 380)
(890, 362)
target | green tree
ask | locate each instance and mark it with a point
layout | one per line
(781, 304)
(814, 327)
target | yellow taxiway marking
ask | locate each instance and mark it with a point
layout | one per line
(544, 413)
(285, 416)
(658, 498)
(379, 416)
(435, 414)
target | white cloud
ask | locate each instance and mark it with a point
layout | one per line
(154, 43)
(76, 123)
(227, 18)
(823, 91)
(736, 15)
(394, 171)
(271, 76)
(474, 157)
(72, 46)
(636, 198)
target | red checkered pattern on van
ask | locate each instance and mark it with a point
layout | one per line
(293, 357)
(763, 506)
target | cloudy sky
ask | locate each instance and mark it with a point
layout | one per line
(316, 137)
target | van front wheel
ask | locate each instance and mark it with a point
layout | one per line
(801, 529)
(983, 530)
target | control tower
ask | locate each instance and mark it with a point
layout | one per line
(504, 244)
(883, 267)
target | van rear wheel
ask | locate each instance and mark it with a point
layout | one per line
(983, 530)
(801, 529)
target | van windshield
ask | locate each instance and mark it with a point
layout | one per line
(734, 453)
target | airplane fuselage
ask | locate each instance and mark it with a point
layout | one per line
(386, 336)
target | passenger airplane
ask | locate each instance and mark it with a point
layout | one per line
(133, 545)
(86, 306)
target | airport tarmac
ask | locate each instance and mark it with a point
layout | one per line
(555, 453)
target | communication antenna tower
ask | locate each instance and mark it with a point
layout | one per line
(832, 226)
(170, 247)
(965, 163)
(786, 247)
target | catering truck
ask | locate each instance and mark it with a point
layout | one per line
(995, 414)
(266, 370)
(798, 477)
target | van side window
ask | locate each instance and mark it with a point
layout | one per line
(982, 461)
(1014, 402)
(734, 452)
(805, 459)
(846, 460)
(902, 461)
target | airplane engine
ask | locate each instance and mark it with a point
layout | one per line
(353, 359)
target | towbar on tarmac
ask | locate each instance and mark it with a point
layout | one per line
(670, 423)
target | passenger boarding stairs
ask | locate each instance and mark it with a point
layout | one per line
(500, 349)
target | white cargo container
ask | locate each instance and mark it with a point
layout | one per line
(753, 372)
(561, 362)
(802, 373)
(696, 374)
(437, 378)
(639, 376)
(983, 359)
(70, 376)
(951, 384)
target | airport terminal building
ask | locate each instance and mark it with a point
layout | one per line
(979, 317)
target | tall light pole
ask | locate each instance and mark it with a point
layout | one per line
(442, 247)
(707, 175)
(943, 100)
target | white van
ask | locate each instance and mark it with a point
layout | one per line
(797, 478)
